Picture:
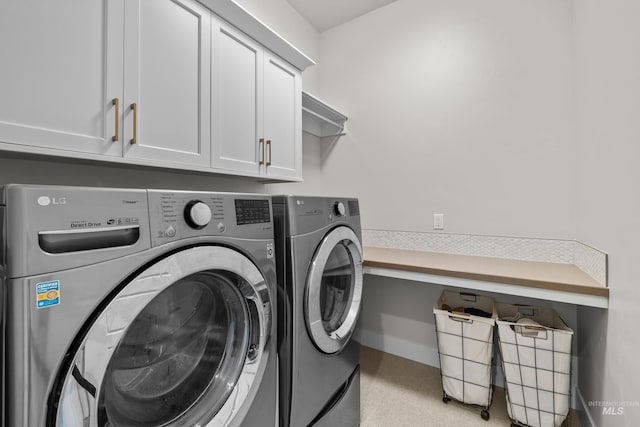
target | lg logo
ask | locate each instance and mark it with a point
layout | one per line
(46, 200)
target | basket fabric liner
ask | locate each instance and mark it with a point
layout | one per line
(465, 345)
(537, 364)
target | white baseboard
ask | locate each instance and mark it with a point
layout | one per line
(583, 410)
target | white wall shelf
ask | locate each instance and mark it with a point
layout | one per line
(320, 119)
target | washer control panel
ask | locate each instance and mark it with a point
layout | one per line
(177, 215)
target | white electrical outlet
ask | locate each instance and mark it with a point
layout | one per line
(438, 221)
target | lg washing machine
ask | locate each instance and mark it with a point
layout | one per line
(137, 308)
(319, 251)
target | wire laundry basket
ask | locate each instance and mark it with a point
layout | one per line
(535, 345)
(465, 348)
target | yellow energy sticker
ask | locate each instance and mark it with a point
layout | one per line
(48, 293)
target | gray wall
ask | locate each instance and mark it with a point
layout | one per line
(457, 107)
(608, 101)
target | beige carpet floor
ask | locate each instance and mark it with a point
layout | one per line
(397, 392)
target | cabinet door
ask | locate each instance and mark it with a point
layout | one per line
(282, 118)
(61, 66)
(236, 101)
(167, 77)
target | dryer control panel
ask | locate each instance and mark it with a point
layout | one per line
(178, 215)
(310, 213)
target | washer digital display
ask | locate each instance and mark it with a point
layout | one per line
(252, 211)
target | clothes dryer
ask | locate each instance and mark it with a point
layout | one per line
(137, 308)
(319, 253)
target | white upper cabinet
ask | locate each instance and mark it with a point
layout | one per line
(256, 108)
(282, 118)
(236, 101)
(167, 76)
(61, 67)
(165, 83)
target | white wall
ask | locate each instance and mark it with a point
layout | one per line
(458, 107)
(608, 95)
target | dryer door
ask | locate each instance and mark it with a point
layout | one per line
(182, 344)
(334, 290)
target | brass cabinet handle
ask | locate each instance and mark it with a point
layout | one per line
(116, 102)
(262, 151)
(269, 145)
(134, 108)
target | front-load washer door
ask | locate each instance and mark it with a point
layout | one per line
(182, 344)
(334, 290)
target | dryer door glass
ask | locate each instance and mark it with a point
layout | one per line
(183, 343)
(334, 290)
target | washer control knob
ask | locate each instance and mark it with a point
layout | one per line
(197, 214)
(339, 209)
